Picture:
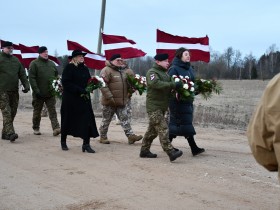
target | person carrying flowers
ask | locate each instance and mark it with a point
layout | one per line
(180, 106)
(159, 86)
(115, 97)
(41, 71)
(77, 117)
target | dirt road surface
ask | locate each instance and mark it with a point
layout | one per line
(36, 174)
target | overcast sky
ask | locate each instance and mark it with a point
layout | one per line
(246, 25)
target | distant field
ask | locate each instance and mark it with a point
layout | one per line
(232, 109)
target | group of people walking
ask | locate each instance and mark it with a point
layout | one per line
(77, 117)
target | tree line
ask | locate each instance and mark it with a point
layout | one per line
(227, 65)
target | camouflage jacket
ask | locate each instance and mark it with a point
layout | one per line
(159, 86)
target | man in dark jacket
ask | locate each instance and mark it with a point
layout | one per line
(159, 86)
(11, 71)
(41, 72)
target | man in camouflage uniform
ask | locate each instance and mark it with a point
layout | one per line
(41, 72)
(11, 71)
(159, 86)
(114, 98)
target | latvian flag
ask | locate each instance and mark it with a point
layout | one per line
(199, 47)
(29, 54)
(92, 60)
(114, 44)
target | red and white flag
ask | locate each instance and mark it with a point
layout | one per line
(92, 60)
(120, 45)
(168, 43)
(29, 54)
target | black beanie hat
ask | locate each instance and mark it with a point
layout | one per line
(7, 44)
(42, 49)
(161, 57)
(115, 56)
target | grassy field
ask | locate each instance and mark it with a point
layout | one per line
(231, 109)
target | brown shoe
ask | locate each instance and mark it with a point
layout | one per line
(56, 132)
(104, 141)
(133, 138)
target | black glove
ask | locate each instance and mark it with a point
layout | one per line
(39, 96)
(25, 90)
(178, 85)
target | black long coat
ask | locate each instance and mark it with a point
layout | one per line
(181, 112)
(77, 117)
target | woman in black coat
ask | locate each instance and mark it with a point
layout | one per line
(77, 117)
(181, 112)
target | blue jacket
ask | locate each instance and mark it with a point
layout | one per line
(181, 112)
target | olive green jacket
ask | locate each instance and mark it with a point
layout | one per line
(41, 72)
(159, 86)
(11, 71)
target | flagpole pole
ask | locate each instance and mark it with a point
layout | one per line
(101, 27)
(102, 18)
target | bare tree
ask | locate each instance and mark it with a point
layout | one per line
(229, 53)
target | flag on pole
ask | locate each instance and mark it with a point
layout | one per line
(168, 43)
(120, 45)
(92, 60)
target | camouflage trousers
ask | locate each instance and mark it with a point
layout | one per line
(37, 109)
(128, 110)
(107, 115)
(8, 106)
(157, 127)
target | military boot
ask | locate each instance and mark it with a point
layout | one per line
(147, 154)
(173, 155)
(12, 137)
(104, 140)
(133, 138)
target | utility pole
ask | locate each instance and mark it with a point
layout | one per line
(102, 18)
(101, 27)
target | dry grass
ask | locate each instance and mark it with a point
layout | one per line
(232, 109)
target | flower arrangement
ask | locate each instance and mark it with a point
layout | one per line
(93, 83)
(187, 92)
(56, 87)
(207, 87)
(137, 83)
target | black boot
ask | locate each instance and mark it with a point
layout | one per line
(86, 147)
(173, 155)
(194, 148)
(171, 139)
(64, 146)
(63, 142)
(147, 154)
